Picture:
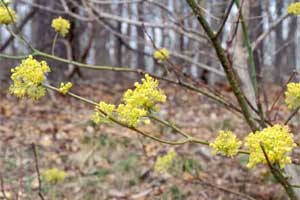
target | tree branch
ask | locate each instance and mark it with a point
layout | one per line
(37, 171)
(231, 76)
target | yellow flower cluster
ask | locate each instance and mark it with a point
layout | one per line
(65, 87)
(61, 26)
(161, 54)
(136, 103)
(107, 108)
(277, 142)
(164, 163)
(7, 15)
(131, 115)
(27, 78)
(98, 117)
(292, 95)
(226, 144)
(54, 175)
(294, 8)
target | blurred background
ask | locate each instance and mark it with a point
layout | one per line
(126, 32)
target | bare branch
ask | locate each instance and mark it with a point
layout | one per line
(37, 171)
(265, 34)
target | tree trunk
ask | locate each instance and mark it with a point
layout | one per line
(74, 40)
(141, 37)
(118, 40)
(279, 57)
(255, 31)
(292, 170)
(218, 9)
(43, 39)
(240, 58)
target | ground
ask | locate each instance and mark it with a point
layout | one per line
(110, 162)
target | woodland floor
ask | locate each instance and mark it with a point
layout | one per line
(110, 162)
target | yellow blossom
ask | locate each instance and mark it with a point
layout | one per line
(141, 100)
(7, 15)
(145, 95)
(130, 115)
(226, 144)
(54, 175)
(292, 95)
(277, 142)
(294, 8)
(28, 77)
(107, 108)
(161, 54)
(164, 163)
(61, 26)
(65, 87)
(147, 121)
(99, 117)
(136, 104)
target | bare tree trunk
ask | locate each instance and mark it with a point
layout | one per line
(118, 40)
(256, 30)
(140, 36)
(43, 40)
(75, 42)
(218, 9)
(279, 41)
(292, 170)
(291, 51)
(240, 58)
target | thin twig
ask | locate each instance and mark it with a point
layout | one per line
(266, 33)
(295, 186)
(281, 91)
(120, 123)
(53, 44)
(291, 115)
(253, 74)
(19, 29)
(228, 69)
(188, 138)
(279, 176)
(2, 187)
(224, 19)
(181, 83)
(37, 171)
(227, 190)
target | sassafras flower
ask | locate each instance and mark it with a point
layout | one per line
(226, 144)
(54, 175)
(277, 142)
(65, 87)
(292, 95)
(99, 117)
(28, 77)
(137, 103)
(161, 54)
(164, 163)
(294, 8)
(61, 26)
(7, 15)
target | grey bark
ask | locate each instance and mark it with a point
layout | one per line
(240, 58)
(140, 36)
(43, 36)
